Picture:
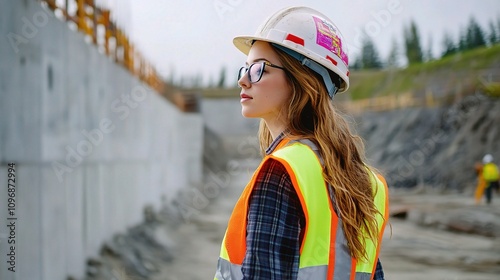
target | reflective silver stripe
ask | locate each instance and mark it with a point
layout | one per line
(343, 260)
(311, 145)
(319, 272)
(363, 276)
(228, 271)
(312, 272)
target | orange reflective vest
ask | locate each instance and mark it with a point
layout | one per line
(324, 253)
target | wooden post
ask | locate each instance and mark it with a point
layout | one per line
(66, 3)
(94, 22)
(52, 4)
(104, 20)
(80, 13)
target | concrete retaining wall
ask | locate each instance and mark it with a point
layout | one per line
(223, 116)
(237, 133)
(92, 146)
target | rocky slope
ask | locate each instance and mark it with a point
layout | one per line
(434, 147)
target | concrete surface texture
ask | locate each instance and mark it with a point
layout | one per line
(223, 116)
(237, 134)
(92, 145)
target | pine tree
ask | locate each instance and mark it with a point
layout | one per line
(498, 30)
(222, 78)
(357, 63)
(448, 45)
(462, 41)
(412, 44)
(392, 60)
(493, 36)
(369, 56)
(474, 36)
(428, 53)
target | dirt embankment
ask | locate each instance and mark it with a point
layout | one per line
(434, 147)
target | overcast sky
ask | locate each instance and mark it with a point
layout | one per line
(195, 37)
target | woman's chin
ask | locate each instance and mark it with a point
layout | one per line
(248, 114)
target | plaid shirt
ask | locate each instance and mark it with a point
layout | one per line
(275, 220)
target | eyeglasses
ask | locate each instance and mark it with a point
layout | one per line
(255, 71)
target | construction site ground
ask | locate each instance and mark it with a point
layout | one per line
(416, 245)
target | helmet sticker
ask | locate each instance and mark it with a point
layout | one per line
(327, 37)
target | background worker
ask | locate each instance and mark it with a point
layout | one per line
(491, 176)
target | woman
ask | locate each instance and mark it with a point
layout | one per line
(313, 209)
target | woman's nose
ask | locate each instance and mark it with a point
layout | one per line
(244, 82)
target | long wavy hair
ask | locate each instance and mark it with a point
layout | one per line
(311, 115)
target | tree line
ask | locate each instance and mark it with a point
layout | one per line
(411, 50)
(473, 36)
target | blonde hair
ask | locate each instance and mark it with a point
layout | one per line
(311, 115)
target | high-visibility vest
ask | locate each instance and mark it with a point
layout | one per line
(490, 172)
(324, 253)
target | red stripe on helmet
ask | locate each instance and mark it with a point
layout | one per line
(331, 60)
(348, 73)
(295, 39)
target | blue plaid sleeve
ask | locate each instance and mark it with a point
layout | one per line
(273, 229)
(379, 272)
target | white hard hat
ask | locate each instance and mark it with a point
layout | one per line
(311, 36)
(487, 158)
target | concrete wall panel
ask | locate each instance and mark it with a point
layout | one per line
(53, 222)
(223, 116)
(53, 103)
(94, 222)
(74, 205)
(22, 110)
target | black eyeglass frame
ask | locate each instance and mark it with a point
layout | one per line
(263, 65)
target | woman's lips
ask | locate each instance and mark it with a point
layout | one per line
(245, 97)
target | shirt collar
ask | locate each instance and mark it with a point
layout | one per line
(275, 143)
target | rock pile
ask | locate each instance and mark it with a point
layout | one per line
(136, 254)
